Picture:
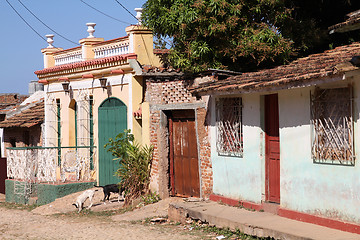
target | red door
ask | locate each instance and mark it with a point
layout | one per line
(272, 149)
(184, 166)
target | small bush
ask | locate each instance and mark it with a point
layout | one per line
(150, 198)
(135, 164)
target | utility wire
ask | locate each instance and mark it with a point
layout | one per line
(46, 24)
(104, 13)
(125, 9)
(25, 21)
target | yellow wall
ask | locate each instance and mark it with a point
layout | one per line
(143, 44)
(137, 97)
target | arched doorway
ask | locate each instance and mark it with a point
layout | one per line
(112, 121)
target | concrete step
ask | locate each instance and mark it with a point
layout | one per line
(271, 207)
(260, 224)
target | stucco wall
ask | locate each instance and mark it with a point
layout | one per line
(235, 177)
(319, 189)
(120, 88)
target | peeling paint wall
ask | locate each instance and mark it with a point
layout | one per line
(319, 189)
(240, 177)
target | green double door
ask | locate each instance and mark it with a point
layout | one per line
(112, 121)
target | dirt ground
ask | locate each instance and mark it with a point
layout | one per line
(41, 223)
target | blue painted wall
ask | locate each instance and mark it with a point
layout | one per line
(240, 177)
(328, 190)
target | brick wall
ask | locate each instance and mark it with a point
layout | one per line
(169, 92)
(205, 152)
(175, 92)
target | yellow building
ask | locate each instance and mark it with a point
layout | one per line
(92, 92)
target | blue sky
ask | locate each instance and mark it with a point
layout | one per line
(20, 47)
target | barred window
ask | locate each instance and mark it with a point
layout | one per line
(229, 140)
(332, 126)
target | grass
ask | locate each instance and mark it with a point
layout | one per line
(8, 205)
(89, 213)
(226, 232)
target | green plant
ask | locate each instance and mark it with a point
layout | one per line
(150, 198)
(226, 232)
(135, 164)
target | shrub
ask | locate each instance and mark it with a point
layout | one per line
(135, 164)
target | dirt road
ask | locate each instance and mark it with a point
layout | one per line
(22, 224)
(59, 220)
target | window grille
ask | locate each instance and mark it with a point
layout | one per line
(229, 139)
(332, 126)
(58, 117)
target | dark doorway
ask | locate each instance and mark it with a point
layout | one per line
(3, 173)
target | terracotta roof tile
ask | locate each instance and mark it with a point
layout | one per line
(27, 118)
(313, 67)
(351, 23)
(161, 51)
(97, 61)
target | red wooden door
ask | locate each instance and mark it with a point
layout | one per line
(272, 149)
(184, 166)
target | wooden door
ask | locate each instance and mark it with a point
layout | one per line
(184, 165)
(112, 121)
(272, 149)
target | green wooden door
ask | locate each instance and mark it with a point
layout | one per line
(112, 121)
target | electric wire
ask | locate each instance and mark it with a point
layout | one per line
(104, 13)
(46, 24)
(25, 21)
(125, 9)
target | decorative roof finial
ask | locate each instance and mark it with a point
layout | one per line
(50, 40)
(91, 29)
(138, 14)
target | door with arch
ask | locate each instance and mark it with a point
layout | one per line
(112, 121)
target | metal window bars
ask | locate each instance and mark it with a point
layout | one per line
(332, 126)
(229, 133)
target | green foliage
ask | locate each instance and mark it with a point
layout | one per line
(245, 35)
(120, 145)
(220, 33)
(309, 22)
(150, 198)
(135, 163)
(226, 232)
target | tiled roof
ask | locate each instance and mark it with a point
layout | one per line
(161, 51)
(97, 61)
(32, 115)
(152, 69)
(8, 100)
(303, 70)
(352, 23)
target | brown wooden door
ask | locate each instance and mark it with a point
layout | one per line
(272, 149)
(184, 166)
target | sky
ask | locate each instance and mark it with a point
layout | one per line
(20, 47)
